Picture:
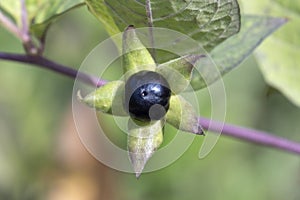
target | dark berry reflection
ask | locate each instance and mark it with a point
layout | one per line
(147, 96)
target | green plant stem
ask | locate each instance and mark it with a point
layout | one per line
(246, 134)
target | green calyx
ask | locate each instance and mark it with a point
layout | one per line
(144, 138)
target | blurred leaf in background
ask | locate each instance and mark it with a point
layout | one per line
(279, 56)
(41, 13)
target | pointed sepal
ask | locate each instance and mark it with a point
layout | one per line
(182, 115)
(108, 98)
(136, 57)
(178, 72)
(143, 140)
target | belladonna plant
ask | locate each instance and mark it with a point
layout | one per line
(220, 21)
(150, 94)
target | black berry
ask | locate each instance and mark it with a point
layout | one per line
(147, 96)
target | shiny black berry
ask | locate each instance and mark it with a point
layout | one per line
(147, 96)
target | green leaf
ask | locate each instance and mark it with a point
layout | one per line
(281, 68)
(135, 56)
(182, 115)
(178, 72)
(143, 140)
(279, 57)
(107, 99)
(41, 13)
(235, 49)
(103, 13)
(208, 22)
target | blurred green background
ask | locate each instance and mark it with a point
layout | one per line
(41, 156)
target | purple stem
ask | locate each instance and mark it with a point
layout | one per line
(249, 135)
(254, 136)
(48, 64)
